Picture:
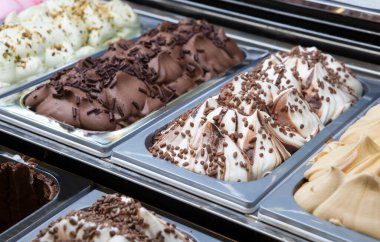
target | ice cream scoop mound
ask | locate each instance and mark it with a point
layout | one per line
(112, 218)
(260, 117)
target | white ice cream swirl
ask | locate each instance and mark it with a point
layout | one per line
(261, 117)
(327, 84)
(219, 139)
(56, 32)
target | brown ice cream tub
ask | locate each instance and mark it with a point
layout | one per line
(31, 191)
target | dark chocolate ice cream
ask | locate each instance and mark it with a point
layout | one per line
(23, 190)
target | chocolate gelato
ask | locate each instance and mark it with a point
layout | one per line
(132, 80)
(23, 191)
(112, 218)
(261, 117)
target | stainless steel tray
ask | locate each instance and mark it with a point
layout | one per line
(100, 144)
(253, 38)
(281, 210)
(245, 196)
(71, 187)
(89, 199)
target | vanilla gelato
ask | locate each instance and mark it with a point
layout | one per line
(56, 32)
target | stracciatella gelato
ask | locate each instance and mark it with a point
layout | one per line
(112, 218)
(261, 117)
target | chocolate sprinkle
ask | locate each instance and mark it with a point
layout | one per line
(145, 75)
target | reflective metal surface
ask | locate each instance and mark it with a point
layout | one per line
(256, 17)
(366, 9)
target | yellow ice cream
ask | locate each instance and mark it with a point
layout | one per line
(343, 184)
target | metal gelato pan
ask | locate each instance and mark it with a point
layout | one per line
(245, 196)
(90, 198)
(100, 144)
(281, 210)
(68, 186)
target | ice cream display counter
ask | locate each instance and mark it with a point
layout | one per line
(188, 121)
